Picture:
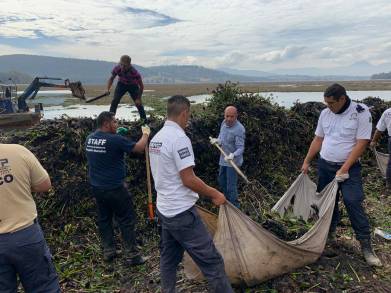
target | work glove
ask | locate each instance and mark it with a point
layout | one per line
(214, 141)
(342, 177)
(230, 157)
(107, 93)
(122, 131)
(146, 130)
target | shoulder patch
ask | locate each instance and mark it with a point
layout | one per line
(184, 153)
(360, 108)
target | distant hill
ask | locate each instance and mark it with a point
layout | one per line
(361, 69)
(298, 74)
(97, 72)
(14, 76)
(252, 73)
(383, 75)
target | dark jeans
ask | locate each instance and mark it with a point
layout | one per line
(352, 194)
(228, 179)
(388, 171)
(116, 202)
(134, 92)
(186, 231)
(25, 253)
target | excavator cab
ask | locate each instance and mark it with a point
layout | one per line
(7, 93)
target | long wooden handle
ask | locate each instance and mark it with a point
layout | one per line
(89, 100)
(150, 204)
(232, 163)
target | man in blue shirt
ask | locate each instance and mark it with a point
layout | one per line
(231, 138)
(106, 161)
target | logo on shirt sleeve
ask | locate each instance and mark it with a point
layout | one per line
(184, 153)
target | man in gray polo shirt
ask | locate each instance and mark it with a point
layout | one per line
(231, 138)
(172, 162)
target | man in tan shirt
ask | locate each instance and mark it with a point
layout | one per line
(23, 249)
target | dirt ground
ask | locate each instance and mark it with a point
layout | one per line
(341, 268)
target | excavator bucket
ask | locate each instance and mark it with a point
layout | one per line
(77, 89)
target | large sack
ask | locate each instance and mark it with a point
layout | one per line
(382, 161)
(251, 253)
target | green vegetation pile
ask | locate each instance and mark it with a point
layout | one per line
(276, 142)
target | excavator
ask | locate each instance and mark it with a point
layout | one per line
(14, 111)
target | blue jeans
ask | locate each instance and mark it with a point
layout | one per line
(228, 181)
(388, 171)
(186, 231)
(352, 194)
(25, 253)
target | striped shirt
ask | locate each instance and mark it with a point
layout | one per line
(129, 77)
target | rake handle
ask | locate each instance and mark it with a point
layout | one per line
(151, 214)
(232, 163)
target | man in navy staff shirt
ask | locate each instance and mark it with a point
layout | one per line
(129, 80)
(342, 135)
(231, 138)
(106, 161)
(172, 163)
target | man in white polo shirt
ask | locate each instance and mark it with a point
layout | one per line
(172, 162)
(383, 124)
(342, 135)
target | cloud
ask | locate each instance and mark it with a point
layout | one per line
(275, 56)
(250, 34)
(153, 17)
(36, 40)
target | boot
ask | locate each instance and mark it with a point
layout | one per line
(332, 237)
(369, 254)
(109, 254)
(134, 258)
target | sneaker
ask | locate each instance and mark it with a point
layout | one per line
(136, 260)
(369, 255)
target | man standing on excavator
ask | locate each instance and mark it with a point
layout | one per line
(129, 80)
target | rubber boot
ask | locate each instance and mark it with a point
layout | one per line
(369, 254)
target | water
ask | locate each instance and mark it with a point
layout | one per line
(55, 99)
(124, 111)
(287, 99)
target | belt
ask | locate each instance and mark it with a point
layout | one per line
(333, 163)
(339, 163)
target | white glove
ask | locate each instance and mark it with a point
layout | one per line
(342, 177)
(146, 130)
(214, 141)
(230, 157)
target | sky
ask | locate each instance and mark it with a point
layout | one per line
(241, 34)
